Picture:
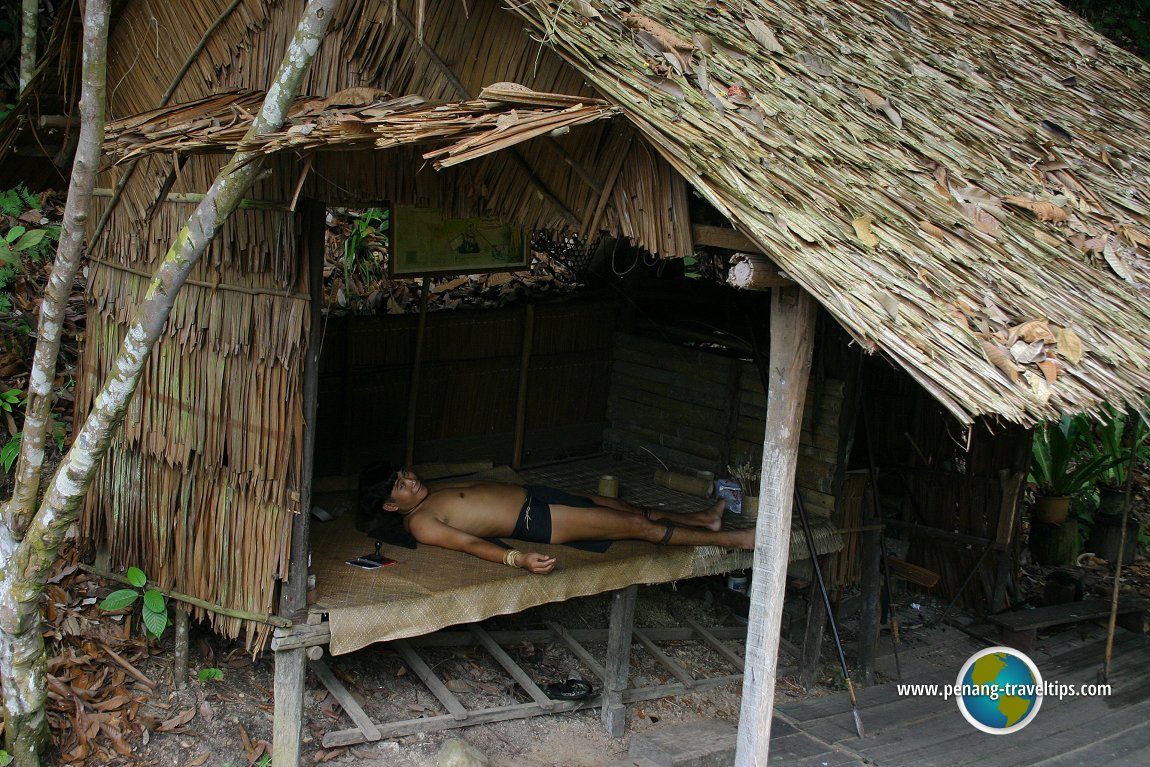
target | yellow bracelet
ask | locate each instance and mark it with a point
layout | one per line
(511, 558)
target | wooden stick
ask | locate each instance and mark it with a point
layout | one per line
(270, 620)
(524, 369)
(416, 369)
(132, 670)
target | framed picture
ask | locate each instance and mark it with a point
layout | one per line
(425, 243)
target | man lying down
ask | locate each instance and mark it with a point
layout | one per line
(462, 514)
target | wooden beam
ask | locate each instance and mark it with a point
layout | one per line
(724, 238)
(792, 344)
(754, 271)
(618, 660)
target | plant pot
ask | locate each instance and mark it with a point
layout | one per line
(750, 507)
(1110, 502)
(1106, 534)
(1051, 509)
(1055, 544)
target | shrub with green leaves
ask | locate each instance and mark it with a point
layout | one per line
(210, 674)
(155, 604)
(22, 233)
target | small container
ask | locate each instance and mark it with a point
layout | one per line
(737, 583)
(609, 486)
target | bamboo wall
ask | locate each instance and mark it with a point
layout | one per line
(700, 410)
(469, 385)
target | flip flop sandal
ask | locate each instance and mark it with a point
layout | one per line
(572, 689)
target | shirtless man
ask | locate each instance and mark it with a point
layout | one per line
(459, 515)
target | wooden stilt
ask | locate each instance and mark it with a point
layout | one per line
(816, 627)
(287, 725)
(180, 649)
(618, 660)
(287, 728)
(792, 343)
(870, 586)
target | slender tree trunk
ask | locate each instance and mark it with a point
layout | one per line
(29, 30)
(37, 413)
(23, 662)
(24, 565)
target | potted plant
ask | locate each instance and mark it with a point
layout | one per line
(1063, 465)
(1113, 439)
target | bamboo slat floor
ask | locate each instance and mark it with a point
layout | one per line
(924, 731)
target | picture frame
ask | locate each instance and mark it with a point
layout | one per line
(424, 242)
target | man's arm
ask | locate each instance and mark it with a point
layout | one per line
(431, 531)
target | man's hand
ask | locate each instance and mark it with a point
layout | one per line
(537, 563)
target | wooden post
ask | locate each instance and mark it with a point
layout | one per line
(416, 370)
(524, 369)
(287, 727)
(792, 344)
(618, 660)
(870, 586)
(816, 626)
(180, 648)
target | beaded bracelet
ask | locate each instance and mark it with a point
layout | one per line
(511, 558)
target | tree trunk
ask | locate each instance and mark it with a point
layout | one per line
(23, 662)
(29, 31)
(24, 564)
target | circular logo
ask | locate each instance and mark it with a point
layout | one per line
(999, 690)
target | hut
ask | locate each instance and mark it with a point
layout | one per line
(958, 189)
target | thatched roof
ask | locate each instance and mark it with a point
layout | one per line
(964, 186)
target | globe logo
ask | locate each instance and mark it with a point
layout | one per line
(999, 690)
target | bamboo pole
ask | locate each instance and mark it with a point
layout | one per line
(270, 620)
(416, 372)
(524, 370)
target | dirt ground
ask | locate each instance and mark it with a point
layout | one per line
(228, 720)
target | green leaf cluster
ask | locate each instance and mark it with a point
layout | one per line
(207, 674)
(1062, 461)
(155, 605)
(18, 238)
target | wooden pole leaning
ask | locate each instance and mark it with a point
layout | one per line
(792, 344)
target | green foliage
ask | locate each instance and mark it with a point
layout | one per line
(1110, 441)
(365, 246)
(21, 235)
(1061, 461)
(155, 605)
(5, 758)
(208, 674)
(11, 399)
(1126, 22)
(11, 451)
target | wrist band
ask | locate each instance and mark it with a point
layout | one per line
(511, 558)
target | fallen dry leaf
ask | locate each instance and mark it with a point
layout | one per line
(199, 759)
(934, 230)
(1000, 358)
(1044, 210)
(179, 720)
(1050, 369)
(863, 231)
(764, 34)
(1070, 345)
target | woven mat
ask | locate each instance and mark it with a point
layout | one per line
(430, 588)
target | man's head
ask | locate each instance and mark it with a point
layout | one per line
(407, 491)
(376, 484)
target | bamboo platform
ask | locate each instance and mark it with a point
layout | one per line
(925, 732)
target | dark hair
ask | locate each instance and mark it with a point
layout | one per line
(375, 485)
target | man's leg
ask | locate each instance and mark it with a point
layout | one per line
(710, 518)
(569, 523)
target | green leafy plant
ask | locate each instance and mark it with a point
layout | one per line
(1111, 440)
(208, 674)
(5, 758)
(11, 451)
(365, 246)
(1061, 461)
(19, 208)
(155, 604)
(11, 399)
